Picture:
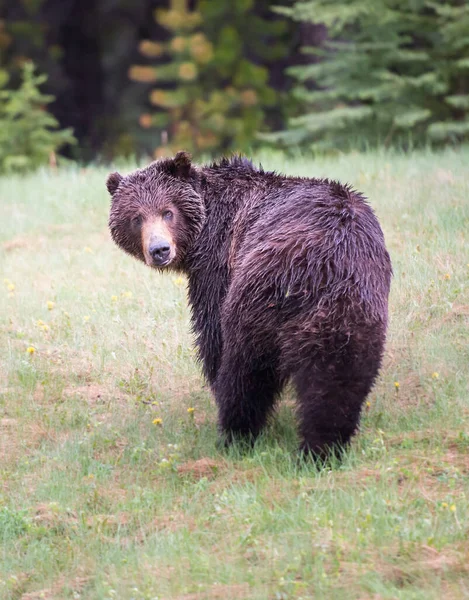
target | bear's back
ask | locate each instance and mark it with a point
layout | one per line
(272, 212)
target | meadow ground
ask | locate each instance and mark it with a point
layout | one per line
(111, 485)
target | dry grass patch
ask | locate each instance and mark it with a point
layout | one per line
(204, 467)
(60, 589)
(421, 564)
(19, 439)
(22, 242)
(234, 591)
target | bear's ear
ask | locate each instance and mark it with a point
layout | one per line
(181, 165)
(112, 182)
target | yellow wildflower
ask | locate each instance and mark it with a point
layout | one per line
(50, 305)
(88, 250)
(453, 508)
(11, 287)
(127, 294)
(444, 505)
(178, 281)
(397, 385)
(86, 318)
(447, 276)
(30, 350)
(157, 421)
(435, 375)
(191, 410)
(114, 298)
(42, 325)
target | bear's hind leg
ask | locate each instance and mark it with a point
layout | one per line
(331, 392)
(245, 392)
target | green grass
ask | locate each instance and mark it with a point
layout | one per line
(97, 501)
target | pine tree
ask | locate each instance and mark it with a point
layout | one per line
(29, 135)
(209, 96)
(391, 71)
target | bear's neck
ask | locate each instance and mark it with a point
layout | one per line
(225, 202)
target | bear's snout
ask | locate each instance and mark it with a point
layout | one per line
(159, 252)
(158, 244)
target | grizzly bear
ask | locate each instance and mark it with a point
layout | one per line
(288, 280)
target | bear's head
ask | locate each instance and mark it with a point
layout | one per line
(156, 212)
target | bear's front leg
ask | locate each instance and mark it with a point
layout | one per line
(206, 295)
(249, 379)
(245, 392)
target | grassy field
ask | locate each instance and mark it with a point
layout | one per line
(111, 485)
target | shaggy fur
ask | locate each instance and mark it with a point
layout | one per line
(288, 280)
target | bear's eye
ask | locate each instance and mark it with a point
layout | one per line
(167, 215)
(137, 221)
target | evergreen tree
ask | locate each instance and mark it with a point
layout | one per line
(29, 135)
(210, 96)
(390, 71)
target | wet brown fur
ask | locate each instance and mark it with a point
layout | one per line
(288, 280)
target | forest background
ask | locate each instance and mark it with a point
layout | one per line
(125, 78)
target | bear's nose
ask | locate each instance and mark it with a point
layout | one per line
(159, 251)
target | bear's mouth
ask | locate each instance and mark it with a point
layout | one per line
(157, 261)
(162, 264)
